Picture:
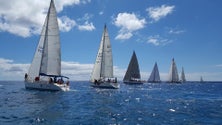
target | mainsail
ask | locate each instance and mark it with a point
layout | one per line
(173, 74)
(183, 78)
(103, 67)
(155, 76)
(133, 71)
(47, 58)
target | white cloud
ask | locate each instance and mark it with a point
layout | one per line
(124, 35)
(77, 71)
(176, 31)
(10, 70)
(101, 13)
(66, 24)
(128, 23)
(85, 18)
(156, 13)
(158, 41)
(84, 24)
(87, 26)
(26, 17)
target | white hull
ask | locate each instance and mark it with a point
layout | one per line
(106, 85)
(46, 86)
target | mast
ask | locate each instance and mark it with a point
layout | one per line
(103, 55)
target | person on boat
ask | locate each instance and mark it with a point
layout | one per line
(55, 80)
(26, 76)
(50, 80)
(95, 81)
(62, 81)
(67, 83)
(37, 78)
(59, 81)
(115, 80)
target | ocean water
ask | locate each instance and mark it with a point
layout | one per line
(154, 104)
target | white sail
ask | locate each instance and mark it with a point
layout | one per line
(173, 74)
(45, 70)
(183, 78)
(103, 67)
(133, 71)
(155, 76)
(47, 58)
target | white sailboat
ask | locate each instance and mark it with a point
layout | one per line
(132, 75)
(173, 74)
(155, 76)
(45, 70)
(182, 77)
(102, 74)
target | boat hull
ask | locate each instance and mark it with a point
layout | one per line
(153, 81)
(175, 82)
(106, 85)
(133, 82)
(46, 86)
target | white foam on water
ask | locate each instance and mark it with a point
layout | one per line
(172, 110)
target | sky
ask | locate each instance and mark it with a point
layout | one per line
(157, 30)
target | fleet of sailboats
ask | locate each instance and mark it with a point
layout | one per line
(132, 75)
(102, 74)
(45, 70)
(155, 75)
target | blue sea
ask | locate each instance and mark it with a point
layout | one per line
(147, 104)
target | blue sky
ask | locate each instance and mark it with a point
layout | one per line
(158, 30)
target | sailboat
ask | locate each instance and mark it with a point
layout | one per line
(102, 74)
(173, 74)
(45, 70)
(201, 79)
(182, 77)
(132, 75)
(155, 76)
